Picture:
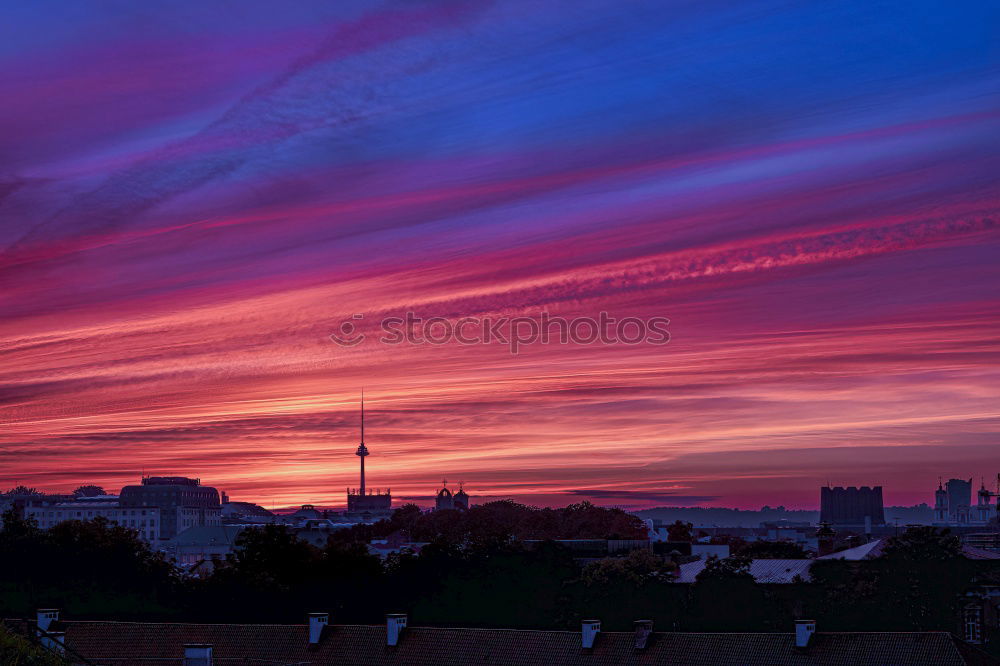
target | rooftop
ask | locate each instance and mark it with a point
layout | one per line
(763, 571)
(162, 644)
(170, 481)
(874, 549)
(204, 535)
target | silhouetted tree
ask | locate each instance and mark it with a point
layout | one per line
(770, 550)
(923, 544)
(23, 490)
(272, 554)
(496, 523)
(477, 570)
(269, 576)
(735, 543)
(89, 491)
(914, 585)
(506, 586)
(405, 518)
(680, 531)
(350, 582)
(725, 597)
(726, 570)
(618, 590)
(920, 575)
(16, 528)
(638, 568)
(87, 567)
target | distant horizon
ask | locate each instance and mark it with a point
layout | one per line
(427, 501)
(807, 500)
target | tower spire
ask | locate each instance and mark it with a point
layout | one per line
(362, 449)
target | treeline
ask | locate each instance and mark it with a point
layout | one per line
(93, 566)
(473, 575)
(699, 515)
(95, 569)
(501, 520)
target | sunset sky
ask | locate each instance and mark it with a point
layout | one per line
(194, 196)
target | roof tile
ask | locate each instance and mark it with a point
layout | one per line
(161, 644)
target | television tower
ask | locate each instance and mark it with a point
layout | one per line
(362, 449)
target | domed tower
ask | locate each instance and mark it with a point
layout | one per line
(445, 500)
(940, 504)
(461, 498)
(983, 509)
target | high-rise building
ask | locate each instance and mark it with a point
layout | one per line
(182, 502)
(851, 506)
(959, 499)
(362, 500)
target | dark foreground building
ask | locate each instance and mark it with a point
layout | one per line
(169, 644)
(851, 506)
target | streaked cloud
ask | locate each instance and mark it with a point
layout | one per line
(808, 194)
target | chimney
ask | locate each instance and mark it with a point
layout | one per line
(197, 654)
(55, 641)
(590, 630)
(316, 623)
(394, 625)
(804, 629)
(643, 631)
(45, 617)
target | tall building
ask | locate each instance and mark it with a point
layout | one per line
(362, 500)
(851, 506)
(182, 502)
(959, 499)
